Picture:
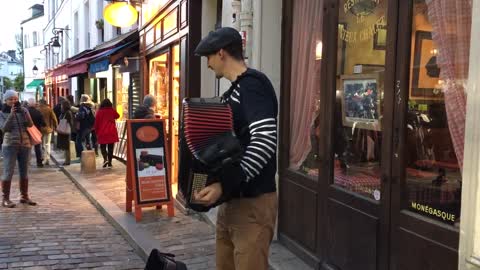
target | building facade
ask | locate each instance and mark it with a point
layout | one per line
(378, 166)
(10, 68)
(34, 60)
(82, 33)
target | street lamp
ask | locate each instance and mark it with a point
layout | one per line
(35, 70)
(56, 46)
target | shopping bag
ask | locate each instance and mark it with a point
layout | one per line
(35, 135)
(64, 127)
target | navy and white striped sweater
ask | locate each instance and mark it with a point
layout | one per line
(254, 105)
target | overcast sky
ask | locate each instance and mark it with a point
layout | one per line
(11, 15)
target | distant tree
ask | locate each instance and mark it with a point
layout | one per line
(18, 83)
(7, 83)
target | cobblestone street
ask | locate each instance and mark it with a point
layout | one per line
(65, 231)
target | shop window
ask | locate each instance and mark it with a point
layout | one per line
(359, 96)
(437, 108)
(159, 84)
(305, 130)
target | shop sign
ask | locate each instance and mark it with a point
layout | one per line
(433, 212)
(148, 173)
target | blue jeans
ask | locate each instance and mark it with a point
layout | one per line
(12, 154)
(82, 135)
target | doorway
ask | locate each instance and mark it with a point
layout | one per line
(164, 82)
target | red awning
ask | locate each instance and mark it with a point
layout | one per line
(60, 70)
(80, 65)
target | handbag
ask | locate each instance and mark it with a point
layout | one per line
(64, 127)
(35, 135)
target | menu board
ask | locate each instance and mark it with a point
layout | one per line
(148, 162)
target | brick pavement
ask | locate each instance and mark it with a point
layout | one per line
(190, 238)
(65, 231)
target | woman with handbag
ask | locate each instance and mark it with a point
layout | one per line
(51, 124)
(64, 130)
(106, 130)
(14, 121)
(39, 123)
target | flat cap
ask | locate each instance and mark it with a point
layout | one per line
(217, 40)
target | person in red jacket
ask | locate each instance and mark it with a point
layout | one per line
(106, 130)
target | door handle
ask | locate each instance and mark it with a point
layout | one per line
(396, 142)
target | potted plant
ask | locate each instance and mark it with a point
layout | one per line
(99, 23)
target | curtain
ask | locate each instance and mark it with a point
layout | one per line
(451, 22)
(304, 88)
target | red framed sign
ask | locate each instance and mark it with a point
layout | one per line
(148, 176)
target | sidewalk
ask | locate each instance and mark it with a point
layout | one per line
(190, 238)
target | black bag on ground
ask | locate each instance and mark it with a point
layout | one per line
(163, 261)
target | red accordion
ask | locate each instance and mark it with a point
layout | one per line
(207, 142)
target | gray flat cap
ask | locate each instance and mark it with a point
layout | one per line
(217, 40)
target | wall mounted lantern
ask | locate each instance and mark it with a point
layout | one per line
(35, 70)
(120, 14)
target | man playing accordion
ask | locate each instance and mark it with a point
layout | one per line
(246, 220)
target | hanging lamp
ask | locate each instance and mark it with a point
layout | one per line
(120, 14)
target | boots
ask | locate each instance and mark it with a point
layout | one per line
(24, 193)
(6, 194)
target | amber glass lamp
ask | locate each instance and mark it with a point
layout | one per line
(120, 14)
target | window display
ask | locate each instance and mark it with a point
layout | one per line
(159, 84)
(436, 111)
(359, 96)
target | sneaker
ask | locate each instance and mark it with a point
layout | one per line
(105, 164)
(39, 165)
(109, 165)
(47, 163)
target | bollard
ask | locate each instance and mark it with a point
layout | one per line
(88, 162)
(73, 151)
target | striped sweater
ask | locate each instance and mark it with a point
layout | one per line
(255, 108)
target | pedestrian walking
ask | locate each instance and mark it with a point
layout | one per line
(57, 109)
(51, 123)
(246, 221)
(85, 119)
(106, 130)
(16, 146)
(39, 123)
(64, 135)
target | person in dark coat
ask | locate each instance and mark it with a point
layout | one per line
(147, 110)
(63, 140)
(85, 118)
(57, 109)
(106, 130)
(39, 123)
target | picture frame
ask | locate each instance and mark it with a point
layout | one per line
(361, 101)
(380, 38)
(425, 72)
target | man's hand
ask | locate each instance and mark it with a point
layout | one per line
(210, 194)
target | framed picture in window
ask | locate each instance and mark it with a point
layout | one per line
(360, 98)
(426, 83)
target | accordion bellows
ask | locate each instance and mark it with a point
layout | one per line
(207, 133)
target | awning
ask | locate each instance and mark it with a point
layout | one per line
(102, 62)
(35, 83)
(79, 64)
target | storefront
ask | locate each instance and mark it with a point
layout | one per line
(170, 71)
(373, 122)
(57, 85)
